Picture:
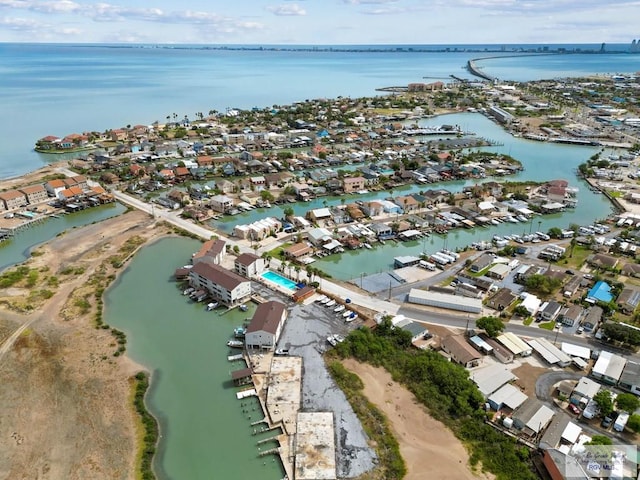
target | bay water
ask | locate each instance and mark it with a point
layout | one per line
(60, 89)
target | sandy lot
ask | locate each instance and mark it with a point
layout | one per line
(65, 401)
(429, 449)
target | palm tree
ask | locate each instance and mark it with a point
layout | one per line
(297, 269)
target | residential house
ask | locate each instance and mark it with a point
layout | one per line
(629, 299)
(319, 236)
(457, 347)
(55, 186)
(381, 230)
(584, 391)
(551, 311)
(602, 260)
(221, 284)
(608, 368)
(532, 417)
(221, 203)
(249, 265)
(181, 173)
(499, 271)
(372, 209)
(205, 161)
(212, 251)
(592, 319)
(561, 466)
(630, 378)
(70, 193)
(12, 199)
(408, 203)
(572, 315)
(297, 250)
(502, 299)
(35, 193)
(353, 184)
(480, 263)
(266, 326)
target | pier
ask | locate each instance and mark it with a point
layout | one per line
(475, 70)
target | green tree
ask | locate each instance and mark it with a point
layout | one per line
(555, 232)
(288, 212)
(492, 325)
(521, 311)
(604, 401)
(627, 402)
(266, 195)
(634, 423)
(600, 440)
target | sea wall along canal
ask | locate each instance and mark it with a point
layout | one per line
(205, 431)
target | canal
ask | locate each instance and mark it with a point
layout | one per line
(206, 432)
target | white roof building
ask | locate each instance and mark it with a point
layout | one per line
(491, 378)
(507, 396)
(550, 352)
(609, 367)
(444, 300)
(515, 344)
(576, 350)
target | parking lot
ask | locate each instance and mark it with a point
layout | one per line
(305, 334)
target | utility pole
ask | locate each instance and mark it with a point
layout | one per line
(389, 297)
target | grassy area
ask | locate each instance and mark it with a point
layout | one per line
(528, 321)
(578, 256)
(275, 253)
(149, 427)
(480, 273)
(548, 325)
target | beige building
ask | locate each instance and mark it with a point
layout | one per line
(249, 265)
(221, 284)
(35, 193)
(353, 184)
(13, 199)
(266, 325)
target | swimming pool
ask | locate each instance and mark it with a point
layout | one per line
(279, 280)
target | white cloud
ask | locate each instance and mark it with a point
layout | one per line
(287, 10)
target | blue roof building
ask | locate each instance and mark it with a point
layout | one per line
(601, 292)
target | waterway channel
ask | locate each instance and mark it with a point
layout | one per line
(18, 248)
(541, 161)
(206, 432)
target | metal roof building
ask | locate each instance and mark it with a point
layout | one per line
(550, 352)
(507, 396)
(609, 367)
(443, 300)
(491, 378)
(515, 344)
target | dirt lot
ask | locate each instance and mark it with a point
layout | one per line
(429, 449)
(527, 375)
(65, 398)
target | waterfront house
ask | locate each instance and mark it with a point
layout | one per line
(266, 326)
(457, 347)
(70, 193)
(353, 184)
(221, 203)
(259, 229)
(372, 209)
(12, 199)
(35, 193)
(249, 265)
(212, 251)
(221, 284)
(319, 236)
(297, 250)
(54, 186)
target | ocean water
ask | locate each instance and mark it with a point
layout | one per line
(55, 89)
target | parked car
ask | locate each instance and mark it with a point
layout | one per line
(606, 421)
(573, 408)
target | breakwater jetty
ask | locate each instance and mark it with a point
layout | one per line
(475, 70)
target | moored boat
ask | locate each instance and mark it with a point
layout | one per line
(347, 313)
(235, 343)
(211, 306)
(243, 307)
(188, 291)
(339, 308)
(239, 332)
(322, 298)
(330, 303)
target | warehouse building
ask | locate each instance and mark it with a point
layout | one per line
(443, 300)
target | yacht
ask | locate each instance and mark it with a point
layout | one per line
(211, 306)
(347, 313)
(235, 343)
(322, 298)
(330, 303)
(339, 308)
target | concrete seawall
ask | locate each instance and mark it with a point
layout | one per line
(474, 70)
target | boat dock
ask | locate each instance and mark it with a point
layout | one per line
(233, 358)
(251, 392)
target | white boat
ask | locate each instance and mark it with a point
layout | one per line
(367, 246)
(332, 340)
(330, 303)
(235, 343)
(512, 220)
(212, 305)
(188, 291)
(522, 218)
(346, 313)
(243, 307)
(325, 300)
(339, 308)
(338, 338)
(351, 318)
(495, 222)
(322, 299)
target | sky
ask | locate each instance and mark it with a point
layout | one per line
(320, 22)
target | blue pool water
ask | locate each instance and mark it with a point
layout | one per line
(279, 280)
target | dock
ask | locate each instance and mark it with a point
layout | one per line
(272, 451)
(233, 358)
(251, 392)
